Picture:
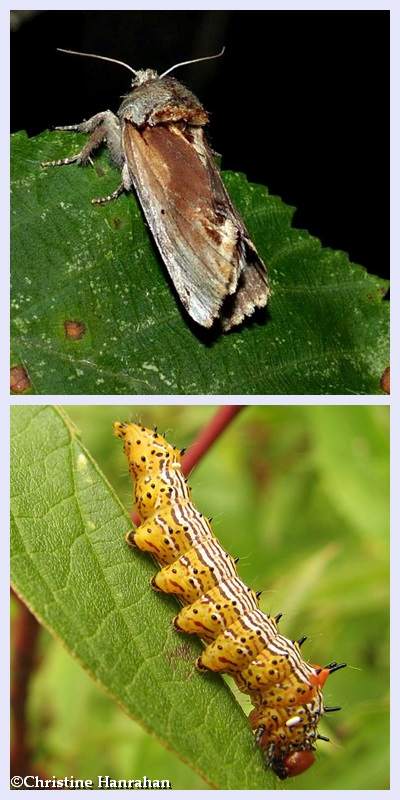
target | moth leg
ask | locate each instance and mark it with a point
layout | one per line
(88, 125)
(125, 186)
(103, 127)
(83, 156)
(107, 199)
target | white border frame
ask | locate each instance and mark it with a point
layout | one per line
(6, 401)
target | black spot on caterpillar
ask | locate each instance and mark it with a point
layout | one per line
(239, 638)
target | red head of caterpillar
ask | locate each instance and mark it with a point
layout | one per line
(239, 638)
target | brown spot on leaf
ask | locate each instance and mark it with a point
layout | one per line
(385, 381)
(74, 329)
(182, 652)
(19, 379)
(117, 223)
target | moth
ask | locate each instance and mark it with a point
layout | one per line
(157, 140)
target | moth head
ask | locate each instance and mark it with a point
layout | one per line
(143, 76)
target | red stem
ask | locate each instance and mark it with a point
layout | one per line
(206, 438)
(25, 640)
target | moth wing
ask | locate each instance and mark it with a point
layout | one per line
(198, 233)
(252, 288)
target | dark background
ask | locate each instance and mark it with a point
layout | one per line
(299, 101)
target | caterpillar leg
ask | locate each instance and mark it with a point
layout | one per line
(189, 577)
(213, 612)
(130, 538)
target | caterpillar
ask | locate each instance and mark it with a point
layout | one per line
(239, 638)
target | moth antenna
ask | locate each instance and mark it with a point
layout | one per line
(236, 560)
(301, 640)
(277, 617)
(329, 709)
(102, 58)
(323, 738)
(191, 61)
(258, 594)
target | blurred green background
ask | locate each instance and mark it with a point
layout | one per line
(301, 495)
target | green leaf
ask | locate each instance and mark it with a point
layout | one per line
(326, 330)
(75, 729)
(71, 566)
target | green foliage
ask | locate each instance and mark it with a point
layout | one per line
(326, 330)
(300, 494)
(75, 726)
(71, 566)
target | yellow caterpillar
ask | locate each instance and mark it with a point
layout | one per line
(239, 638)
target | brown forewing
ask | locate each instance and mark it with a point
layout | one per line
(204, 244)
